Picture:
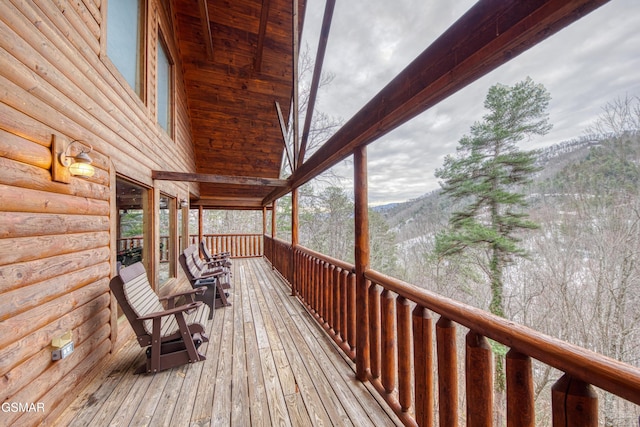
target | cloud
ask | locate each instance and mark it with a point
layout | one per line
(584, 66)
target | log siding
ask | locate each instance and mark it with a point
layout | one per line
(57, 240)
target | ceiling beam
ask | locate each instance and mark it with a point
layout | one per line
(491, 33)
(218, 179)
(206, 28)
(228, 204)
(262, 31)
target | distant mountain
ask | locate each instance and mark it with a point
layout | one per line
(566, 161)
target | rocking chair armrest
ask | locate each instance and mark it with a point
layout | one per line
(180, 294)
(212, 274)
(175, 310)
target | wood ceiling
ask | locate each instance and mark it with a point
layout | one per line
(237, 63)
(237, 58)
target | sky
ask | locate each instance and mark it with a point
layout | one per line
(584, 66)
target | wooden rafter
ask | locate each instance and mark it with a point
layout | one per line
(283, 129)
(218, 179)
(488, 35)
(317, 72)
(262, 31)
(206, 28)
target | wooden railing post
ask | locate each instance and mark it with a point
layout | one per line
(520, 397)
(479, 384)
(447, 372)
(389, 344)
(374, 330)
(351, 310)
(337, 303)
(574, 403)
(423, 365)
(403, 325)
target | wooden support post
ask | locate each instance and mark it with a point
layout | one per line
(274, 228)
(361, 260)
(520, 396)
(294, 236)
(447, 372)
(200, 224)
(423, 363)
(574, 403)
(264, 220)
(479, 384)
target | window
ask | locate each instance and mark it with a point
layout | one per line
(125, 40)
(166, 243)
(165, 88)
(133, 204)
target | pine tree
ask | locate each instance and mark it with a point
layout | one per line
(484, 175)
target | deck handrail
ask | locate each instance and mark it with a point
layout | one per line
(401, 357)
(601, 371)
(240, 245)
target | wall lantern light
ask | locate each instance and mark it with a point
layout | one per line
(80, 164)
(65, 165)
(183, 203)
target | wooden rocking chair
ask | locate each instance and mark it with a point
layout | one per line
(219, 260)
(172, 335)
(215, 294)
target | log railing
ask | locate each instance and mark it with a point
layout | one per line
(239, 245)
(279, 253)
(408, 349)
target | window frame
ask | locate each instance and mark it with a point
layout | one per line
(140, 88)
(162, 46)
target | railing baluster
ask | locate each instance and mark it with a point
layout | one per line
(447, 372)
(403, 310)
(337, 322)
(330, 318)
(574, 403)
(388, 337)
(479, 380)
(423, 365)
(520, 397)
(318, 287)
(374, 329)
(325, 292)
(344, 329)
(351, 309)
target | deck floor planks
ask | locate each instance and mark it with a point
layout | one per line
(221, 410)
(259, 410)
(267, 364)
(331, 365)
(312, 358)
(98, 391)
(239, 390)
(267, 342)
(206, 386)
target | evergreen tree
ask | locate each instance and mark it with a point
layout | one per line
(484, 176)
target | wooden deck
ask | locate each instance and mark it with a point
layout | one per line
(268, 363)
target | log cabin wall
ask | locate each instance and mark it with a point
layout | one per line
(57, 241)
